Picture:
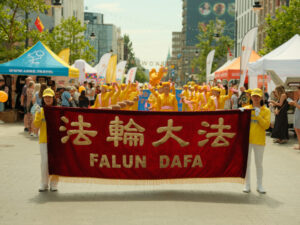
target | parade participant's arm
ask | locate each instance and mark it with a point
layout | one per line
(96, 104)
(38, 118)
(175, 104)
(119, 90)
(264, 119)
(208, 105)
(154, 92)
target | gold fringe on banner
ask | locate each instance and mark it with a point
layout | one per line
(150, 182)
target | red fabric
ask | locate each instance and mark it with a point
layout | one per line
(74, 161)
(39, 25)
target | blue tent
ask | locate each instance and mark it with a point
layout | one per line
(39, 60)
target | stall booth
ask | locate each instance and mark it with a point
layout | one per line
(233, 71)
(38, 62)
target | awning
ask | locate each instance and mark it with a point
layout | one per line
(39, 60)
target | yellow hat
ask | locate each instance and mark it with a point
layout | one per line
(48, 93)
(81, 88)
(110, 87)
(257, 92)
(104, 86)
(159, 86)
(193, 83)
(166, 84)
(123, 85)
(185, 86)
(216, 89)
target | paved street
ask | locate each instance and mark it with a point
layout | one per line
(20, 202)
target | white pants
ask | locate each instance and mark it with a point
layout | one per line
(44, 168)
(258, 155)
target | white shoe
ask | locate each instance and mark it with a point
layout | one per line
(43, 189)
(53, 189)
(247, 189)
(261, 190)
(35, 135)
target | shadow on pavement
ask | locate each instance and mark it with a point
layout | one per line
(161, 195)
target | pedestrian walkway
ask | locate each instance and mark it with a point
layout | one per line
(80, 204)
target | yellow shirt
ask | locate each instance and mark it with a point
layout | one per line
(184, 94)
(211, 104)
(40, 122)
(104, 99)
(258, 125)
(131, 96)
(167, 102)
(124, 93)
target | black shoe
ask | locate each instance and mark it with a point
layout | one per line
(26, 129)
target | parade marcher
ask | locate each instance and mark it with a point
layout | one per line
(133, 95)
(216, 101)
(184, 95)
(104, 98)
(296, 103)
(167, 101)
(280, 132)
(260, 122)
(40, 122)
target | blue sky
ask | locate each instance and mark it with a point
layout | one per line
(149, 23)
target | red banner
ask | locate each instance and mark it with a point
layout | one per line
(89, 143)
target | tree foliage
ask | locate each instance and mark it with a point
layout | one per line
(68, 34)
(208, 42)
(283, 27)
(13, 30)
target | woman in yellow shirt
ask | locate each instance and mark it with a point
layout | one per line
(260, 122)
(40, 122)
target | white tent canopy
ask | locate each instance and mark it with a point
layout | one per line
(284, 60)
(84, 68)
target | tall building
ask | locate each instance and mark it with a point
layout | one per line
(268, 7)
(197, 13)
(246, 19)
(105, 37)
(176, 56)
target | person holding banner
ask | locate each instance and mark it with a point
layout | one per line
(40, 122)
(260, 122)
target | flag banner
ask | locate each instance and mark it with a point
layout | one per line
(101, 67)
(116, 146)
(247, 47)
(39, 25)
(209, 62)
(65, 55)
(120, 71)
(131, 75)
(111, 70)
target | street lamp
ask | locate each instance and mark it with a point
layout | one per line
(93, 36)
(257, 6)
(56, 4)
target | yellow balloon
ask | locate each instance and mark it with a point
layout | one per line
(3, 96)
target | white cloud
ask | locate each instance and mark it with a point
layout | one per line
(112, 7)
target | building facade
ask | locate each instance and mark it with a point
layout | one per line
(247, 19)
(107, 37)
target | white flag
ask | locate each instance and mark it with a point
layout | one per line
(101, 67)
(120, 70)
(209, 61)
(131, 75)
(247, 48)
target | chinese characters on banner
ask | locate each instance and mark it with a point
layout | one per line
(124, 145)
